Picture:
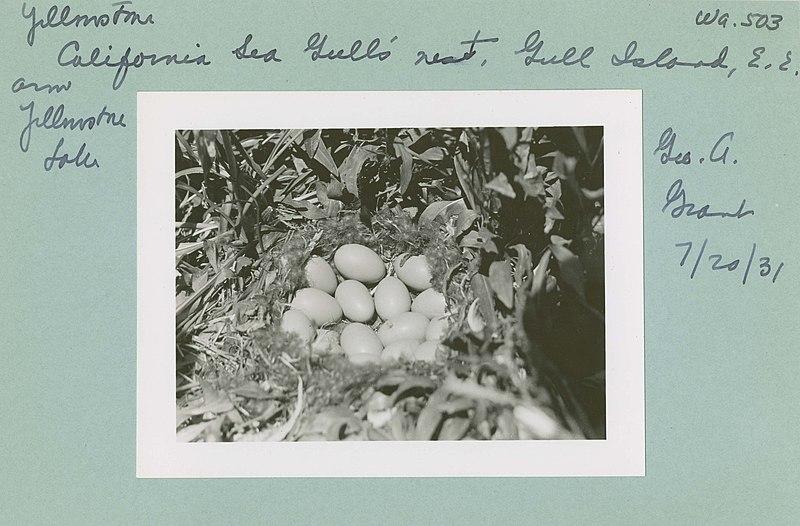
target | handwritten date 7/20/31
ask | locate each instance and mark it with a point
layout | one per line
(752, 265)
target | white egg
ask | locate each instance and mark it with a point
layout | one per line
(430, 303)
(414, 271)
(357, 338)
(405, 326)
(391, 298)
(320, 275)
(296, 322)
(321, 308)
(359, 263)
(355, 300)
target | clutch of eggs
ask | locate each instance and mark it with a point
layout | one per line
(406, 331)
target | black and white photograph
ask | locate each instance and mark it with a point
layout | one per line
(416, 263)
(360, 281)
(390, 284)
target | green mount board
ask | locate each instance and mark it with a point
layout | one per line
(721, 357)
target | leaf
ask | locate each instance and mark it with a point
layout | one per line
(431, 416)
(555, 189)
(397, 426)
(406, 166)
(322, 192)
(207, 144)
(377, 434)
(412, 386)
(551, 212)
(323, 156)
(335, 190)
(535, 423)
(502, 282)
(437, 153)
(483, 293)
(551, 201)
(457, 405)
(423, 143)
(474, 319)
(351, 166)
(482, 239)
(527, 159)
(472, 240)
(506, 426)
(509, 136)
(447, 210)
(454, 428)
(242, 263)
(538, 286)
(465, 221)
(311, 140)
(463, 172)
(434, 210)
(580, 138)
(501, 185)
(478, 393)
(523, 268)
(466, 217)
(211, 254)
(300, 167)
(569, 266)
(391, 380)
(532, 185)
(200, 280)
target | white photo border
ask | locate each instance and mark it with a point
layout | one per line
(159, 114)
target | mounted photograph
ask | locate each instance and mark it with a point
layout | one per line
(359, 280)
